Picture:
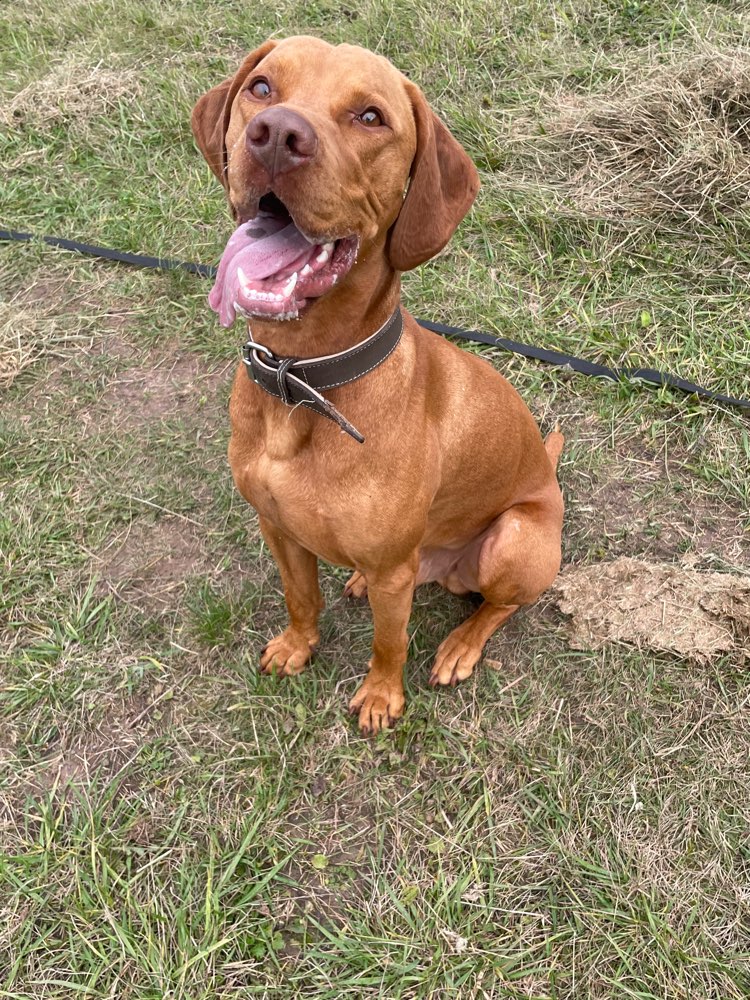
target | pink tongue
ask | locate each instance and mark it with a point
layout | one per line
(270, 254)
(261, 249)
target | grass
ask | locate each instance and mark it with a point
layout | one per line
(567, 824)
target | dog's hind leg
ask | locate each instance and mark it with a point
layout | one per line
(515, 563)
(460, 652)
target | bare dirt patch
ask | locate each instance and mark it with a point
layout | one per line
(56, 317)
(629, 498)
(173, 385)
(107, 746)
(89, 293)
(103, 746)
(665, 608)
(141, 395)
(338, 833)
(31, 330)
(149, 562)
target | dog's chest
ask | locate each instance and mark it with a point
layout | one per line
(296, 501)
(278, 470)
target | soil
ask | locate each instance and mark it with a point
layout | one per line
(667, 608)
(149, 561)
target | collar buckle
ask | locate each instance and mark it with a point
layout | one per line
(250, 346)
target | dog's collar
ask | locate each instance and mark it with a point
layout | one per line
(299, 380)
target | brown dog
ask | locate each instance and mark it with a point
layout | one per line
(316, 144)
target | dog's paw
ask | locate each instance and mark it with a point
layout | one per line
(287, 654)
(356, 586)
(454, 661)
(379, 703)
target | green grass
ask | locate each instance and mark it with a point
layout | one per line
(567, 824)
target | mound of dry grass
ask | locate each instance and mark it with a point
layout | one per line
(673, 143)
(69, 92)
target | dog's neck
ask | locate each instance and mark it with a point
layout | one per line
(342, 318)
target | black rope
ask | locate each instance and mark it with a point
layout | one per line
(138, 259)
(556, 358)
(585, 367)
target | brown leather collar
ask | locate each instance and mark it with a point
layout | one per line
(299, 380)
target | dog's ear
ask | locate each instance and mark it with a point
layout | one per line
(210, 117)
(442, 186)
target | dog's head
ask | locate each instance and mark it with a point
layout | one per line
(316, 146)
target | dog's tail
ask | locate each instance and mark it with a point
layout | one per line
(553, 444)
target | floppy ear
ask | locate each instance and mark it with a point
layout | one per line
(443, 184)
(210, 117)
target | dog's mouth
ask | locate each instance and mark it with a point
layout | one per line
(270, 269)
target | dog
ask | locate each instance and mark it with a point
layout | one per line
(417, 461)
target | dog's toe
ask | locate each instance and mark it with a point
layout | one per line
(356, 586)
(287, 654)
(379, 704)
(454, 661)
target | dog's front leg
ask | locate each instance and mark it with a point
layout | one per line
(288, 652)
(380, 699)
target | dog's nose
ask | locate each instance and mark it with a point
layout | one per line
(280, 140)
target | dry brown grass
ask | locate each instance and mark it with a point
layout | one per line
(27, 333)
(50, 315)
(71, 91)
(675, 142)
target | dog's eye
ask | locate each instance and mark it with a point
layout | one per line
(371, 118)
(260, 89)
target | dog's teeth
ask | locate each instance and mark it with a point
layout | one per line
(305, 271)
(290, 285)
(322, 256)
(328, 247)
(244, 283)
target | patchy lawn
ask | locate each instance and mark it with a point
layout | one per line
(570, 822)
